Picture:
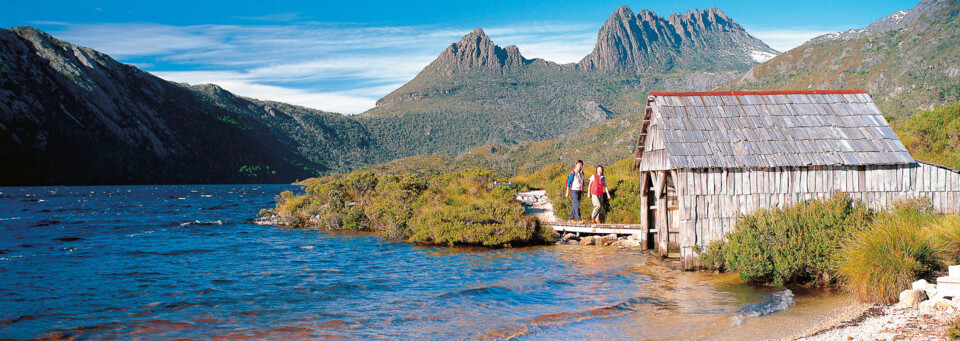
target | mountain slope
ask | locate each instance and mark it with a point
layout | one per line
(507, 99)
(71, 115)
(907, 61)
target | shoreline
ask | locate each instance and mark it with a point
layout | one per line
(860, 321)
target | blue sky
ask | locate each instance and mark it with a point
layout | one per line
(342, 56)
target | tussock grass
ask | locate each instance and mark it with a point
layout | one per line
(947, 233)
(880, 261)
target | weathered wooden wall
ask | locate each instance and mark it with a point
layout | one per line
(710, 200)
(654, 156)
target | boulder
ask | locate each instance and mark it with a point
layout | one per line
(569, 236)
(912, 297)
(920, 285)
(633, 237)
(587, 241)
(903, 295)
(940, 304)
(607, 240)
(572, 242)
(931, 291)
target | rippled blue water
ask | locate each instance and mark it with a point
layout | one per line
(185, 262)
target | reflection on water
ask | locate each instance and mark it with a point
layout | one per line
(184, 262)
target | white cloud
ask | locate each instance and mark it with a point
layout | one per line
(345, 102)
(333, 67)
(131, 40)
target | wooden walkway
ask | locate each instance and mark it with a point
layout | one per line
(590, 228)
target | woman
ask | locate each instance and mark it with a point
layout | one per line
(575, 185)
(598, 186)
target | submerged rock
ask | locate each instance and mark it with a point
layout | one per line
(271, 219)
(587, 241)
(569, 236)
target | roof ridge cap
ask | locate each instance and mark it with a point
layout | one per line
(760, 92)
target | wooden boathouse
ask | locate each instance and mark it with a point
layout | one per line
(705, 158)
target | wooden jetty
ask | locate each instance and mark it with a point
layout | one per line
(600, 229)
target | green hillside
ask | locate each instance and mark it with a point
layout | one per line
(933, 136)
(905, 70)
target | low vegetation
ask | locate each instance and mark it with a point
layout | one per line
(953, 332)
(879, 261)
(874, 255)
(458, 208)
(933, 136)
(797, 244)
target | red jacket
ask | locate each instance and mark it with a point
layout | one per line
(597, 186)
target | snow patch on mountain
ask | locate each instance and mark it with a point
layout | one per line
(762, 56)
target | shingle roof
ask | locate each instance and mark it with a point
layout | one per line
(759, 129)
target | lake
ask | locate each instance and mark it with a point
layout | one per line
(163, 262)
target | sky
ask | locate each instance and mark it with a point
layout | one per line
(342, 56)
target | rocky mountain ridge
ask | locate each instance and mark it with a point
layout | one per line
(122, 125)
(648, 43)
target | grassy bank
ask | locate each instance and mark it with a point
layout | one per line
(624, 185)
(874, 255)
(456, 208)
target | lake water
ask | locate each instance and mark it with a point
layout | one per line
(163, 262)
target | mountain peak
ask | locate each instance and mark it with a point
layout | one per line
(624, 12)
(646, 42)
(476, 51)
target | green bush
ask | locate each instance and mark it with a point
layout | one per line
(878, 262)
(713, 257)
(459, 208)
(791, 245)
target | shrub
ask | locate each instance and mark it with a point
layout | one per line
(713, 257)
(792, 245)
(953, 332)
(459, 208)
(625, 206)
(883, 259)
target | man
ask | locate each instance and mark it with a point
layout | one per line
(575, 185)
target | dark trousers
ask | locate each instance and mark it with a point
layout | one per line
(575, 205)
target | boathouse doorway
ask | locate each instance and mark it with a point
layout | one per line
(650, 214)
(672, 216)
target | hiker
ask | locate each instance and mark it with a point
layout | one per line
(598, 186)
(575, 185)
